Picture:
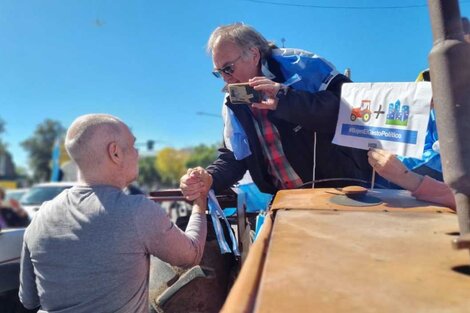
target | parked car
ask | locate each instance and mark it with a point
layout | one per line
(36, 195)
(39, 193)
(15, 194)
(10, 252)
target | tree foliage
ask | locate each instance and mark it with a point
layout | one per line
(39, 147)
(148, 174)
(3, 147)
(7, 170)
(171, 164)
(202, 155)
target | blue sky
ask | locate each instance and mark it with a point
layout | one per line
(145, 61)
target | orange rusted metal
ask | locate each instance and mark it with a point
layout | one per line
(319, 257)
(319, 199)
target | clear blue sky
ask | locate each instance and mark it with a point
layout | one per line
(145, 61)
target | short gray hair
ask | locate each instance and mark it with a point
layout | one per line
(244, 36)
(88, 136)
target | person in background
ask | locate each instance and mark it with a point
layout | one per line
(430, 163)
(284, 141)
(88, 249)
(11, 213)
(423, 177)
(422, 187)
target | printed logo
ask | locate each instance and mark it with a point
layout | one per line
(398, 114)
(362, 111)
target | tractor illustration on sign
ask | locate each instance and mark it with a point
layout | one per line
(363, 111)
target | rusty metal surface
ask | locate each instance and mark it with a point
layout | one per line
(319, 199)
(326, 260)
(243, 294)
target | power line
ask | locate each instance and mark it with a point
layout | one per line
(342, 7)
(209, 114)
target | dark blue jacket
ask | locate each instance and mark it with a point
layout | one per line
(298, 115)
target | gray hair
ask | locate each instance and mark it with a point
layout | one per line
(244, 36)
(88, 137)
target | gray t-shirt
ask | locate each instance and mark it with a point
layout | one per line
(88, 250)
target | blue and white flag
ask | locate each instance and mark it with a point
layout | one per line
(302, 70)
(55, 173)
(217, 214)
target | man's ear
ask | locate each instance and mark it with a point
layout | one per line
(114, 152)
(255, 54)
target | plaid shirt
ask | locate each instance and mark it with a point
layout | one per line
(279, 168)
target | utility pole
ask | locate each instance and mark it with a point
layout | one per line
(450, 78)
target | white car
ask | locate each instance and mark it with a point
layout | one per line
(39, 193)
(11, 240)
(15, 194)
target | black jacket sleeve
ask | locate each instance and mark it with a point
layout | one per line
(314, 111)
(226, 170)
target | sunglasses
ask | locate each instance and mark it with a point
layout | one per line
(227, 69)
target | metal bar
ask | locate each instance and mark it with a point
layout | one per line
(227, 198)
(449, 62)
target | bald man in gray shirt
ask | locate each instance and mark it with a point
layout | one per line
(88, 250)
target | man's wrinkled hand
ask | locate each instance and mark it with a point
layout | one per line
(269, 89)
(385, 163)
(391, 168)
(195, 183)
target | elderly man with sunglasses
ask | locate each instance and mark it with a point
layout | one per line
(284, 141)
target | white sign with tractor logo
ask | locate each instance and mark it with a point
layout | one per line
(389, 116)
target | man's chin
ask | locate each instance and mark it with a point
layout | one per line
(133, 179)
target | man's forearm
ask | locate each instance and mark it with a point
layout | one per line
(409, 180)
(200, 205)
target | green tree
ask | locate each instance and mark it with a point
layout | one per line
(148, 174)
(3, 146)
(171, 164)
(202, 155)
(7, 166)
(22, 176)
(39, 146)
